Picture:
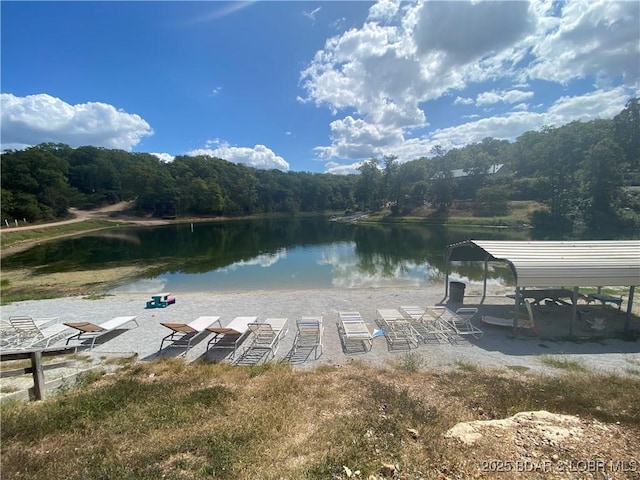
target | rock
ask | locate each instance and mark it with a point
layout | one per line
(388, 469)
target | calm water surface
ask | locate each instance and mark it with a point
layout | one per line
(270, 254)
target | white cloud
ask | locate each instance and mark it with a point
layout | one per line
(42, 118)
(339, 169)
(463, 101)
(382, 78)
(592, 37)
(258, 157)
(358, 139)
(165, 157)
(601, 104)
(311, 15)
(384, 10)
(510, 96)
(465, 31)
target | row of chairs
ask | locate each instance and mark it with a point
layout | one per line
(264, 337)
(23, 332)
(411, 325)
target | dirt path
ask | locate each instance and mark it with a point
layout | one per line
(79, 216)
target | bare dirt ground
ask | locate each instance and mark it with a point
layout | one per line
(103, 213)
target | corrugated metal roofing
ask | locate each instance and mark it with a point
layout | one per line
(564, 263)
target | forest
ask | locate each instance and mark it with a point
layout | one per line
(583, 173)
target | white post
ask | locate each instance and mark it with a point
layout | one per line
(6, 222)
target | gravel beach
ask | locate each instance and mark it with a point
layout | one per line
(497, 348)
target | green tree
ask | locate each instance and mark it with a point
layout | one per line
(441, 187)
(601, 182)
(368, 188)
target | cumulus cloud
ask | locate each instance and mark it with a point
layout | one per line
(165, 157)
(463, 101)
(599, 104)
(592, 37)
(258, 157)
(339, 169)
(42, 118)
(511, 96)
(465, 31)
(384, 10)
(382, 78)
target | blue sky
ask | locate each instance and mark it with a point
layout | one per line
(309, 86)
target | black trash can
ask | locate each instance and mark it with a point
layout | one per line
(456, 292)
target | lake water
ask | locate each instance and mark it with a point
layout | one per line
(298, 253)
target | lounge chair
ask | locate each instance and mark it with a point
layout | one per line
(525, 320)
(309, 331)
(30, 333)
(230, 336)
(427, 321)
(460, 321)
(353, 328)
(397, 329)
(413, 311)
(91, 330)
(182, 334)
(266, 337)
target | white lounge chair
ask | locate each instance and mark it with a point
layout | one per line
(182, 334)
(266, 337)
(230, 336)
(309, 331)
(353, 328)
(93, 331)
(397, 329)
(460, 321)
(28, 332)
(428, 322)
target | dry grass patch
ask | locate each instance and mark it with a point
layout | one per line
(168, 419)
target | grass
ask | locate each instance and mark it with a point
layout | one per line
(411, 361)
(207, 420)
(10, 238)
(466, 366)
(563, 363)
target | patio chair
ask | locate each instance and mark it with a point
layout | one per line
(229, 337)
(28, 332)
(182, 334)
(309, 331)
(460, 321)
(266, 337)
(88, 330)
(353, 328)
(396, 328)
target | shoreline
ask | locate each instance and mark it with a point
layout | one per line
(497, 348)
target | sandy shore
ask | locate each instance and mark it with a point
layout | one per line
(494, 349)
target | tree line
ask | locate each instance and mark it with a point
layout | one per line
(583, 172)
